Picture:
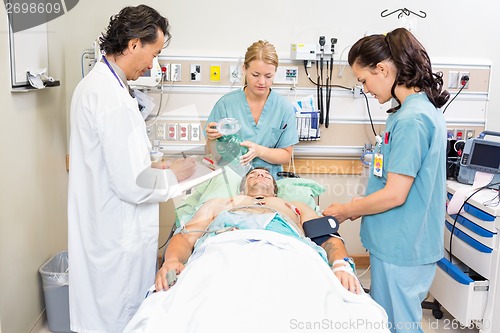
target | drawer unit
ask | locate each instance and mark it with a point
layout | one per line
(478, 216)
(468, 285)
(475, 254)
(468, 300)
(474, 230)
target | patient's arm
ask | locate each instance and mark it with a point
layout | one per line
(335, 250)
(181, 245)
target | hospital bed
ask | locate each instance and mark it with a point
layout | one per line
(256, 280)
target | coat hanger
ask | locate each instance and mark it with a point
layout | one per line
(404, 11)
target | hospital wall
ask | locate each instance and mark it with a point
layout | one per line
(34, 126)
(33, 184)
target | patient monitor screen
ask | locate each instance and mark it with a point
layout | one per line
(486, 155)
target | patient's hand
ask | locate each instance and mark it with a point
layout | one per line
(161, 282)
(349, 281)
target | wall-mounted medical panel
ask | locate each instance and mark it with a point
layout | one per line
(350, 114)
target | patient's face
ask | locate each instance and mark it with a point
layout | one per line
(259, 181)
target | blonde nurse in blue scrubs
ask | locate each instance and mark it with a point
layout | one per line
(267, 119)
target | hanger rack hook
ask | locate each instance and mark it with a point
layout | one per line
(402, 11)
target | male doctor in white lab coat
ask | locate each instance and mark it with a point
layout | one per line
(114, 190)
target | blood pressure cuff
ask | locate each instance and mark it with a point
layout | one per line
(321, 229)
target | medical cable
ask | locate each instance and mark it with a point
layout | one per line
(316, 83)
(161, 108)
(464, 81)
(322, 41)
(183, 226)
(84, 54)
(329, 80)
(341, 71)
(369, 113)
(318, 95)
(366, 270)
(461, 208)
(328, 94)
(493, 202)
(329, 89)
(319, 91)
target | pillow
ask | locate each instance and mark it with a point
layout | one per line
(299, 189)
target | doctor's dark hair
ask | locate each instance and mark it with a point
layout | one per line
(244, 180)
(140, 22)
(410, 59)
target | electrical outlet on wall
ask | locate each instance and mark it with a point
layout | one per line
(214, 73)
(165, 69)
(195, 132)
(286, 75)
(453, 78)
(161, 131)
(195, 72)
(462, 79)
(358, 91)
(175, 72)
(450, 134)
(469, 134)
(172, 132)
(459, 134)
(234, 73)
(183, 132)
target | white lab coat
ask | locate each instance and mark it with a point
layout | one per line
(112, 221)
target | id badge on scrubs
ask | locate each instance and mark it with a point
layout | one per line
(378, 164)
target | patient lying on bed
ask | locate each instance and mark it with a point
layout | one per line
(257, 208)
(244, 265)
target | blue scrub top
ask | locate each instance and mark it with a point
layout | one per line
(414, 144)
(269, 132)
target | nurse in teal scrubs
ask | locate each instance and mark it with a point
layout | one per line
(404, 207)
(267, 119)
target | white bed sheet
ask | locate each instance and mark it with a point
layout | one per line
(257, 281)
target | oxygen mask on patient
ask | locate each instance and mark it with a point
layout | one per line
(228, 145)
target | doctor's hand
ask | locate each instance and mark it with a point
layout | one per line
(254, 150)
(212, 132)
(183, 168)
(161, 282)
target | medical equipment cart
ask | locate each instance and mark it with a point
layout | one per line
(467, 284)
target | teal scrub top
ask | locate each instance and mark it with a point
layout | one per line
(413, 144)
(277, 127)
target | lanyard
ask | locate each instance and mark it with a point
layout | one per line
(112, 71)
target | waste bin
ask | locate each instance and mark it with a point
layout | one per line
(56, 293)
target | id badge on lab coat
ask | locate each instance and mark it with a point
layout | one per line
(378, 164)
